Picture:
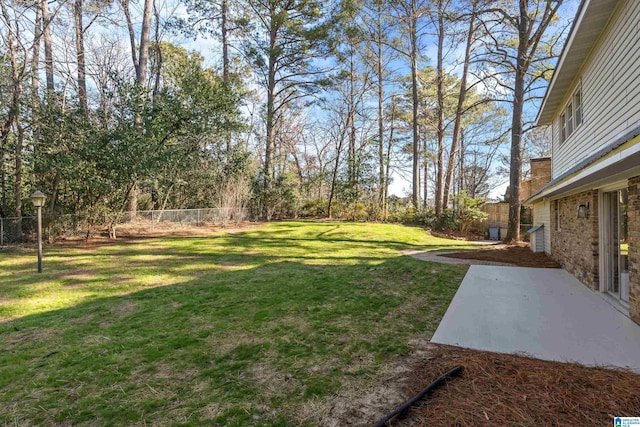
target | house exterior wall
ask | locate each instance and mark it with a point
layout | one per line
(634, 248)
(575, 241)
(542, 215)
(610, 86)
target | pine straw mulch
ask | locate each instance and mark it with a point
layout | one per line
(518, 254)
(501, 389)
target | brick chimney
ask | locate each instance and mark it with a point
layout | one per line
(540, 173)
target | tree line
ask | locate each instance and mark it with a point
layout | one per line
(300, 107)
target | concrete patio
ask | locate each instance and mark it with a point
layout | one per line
(544, 313)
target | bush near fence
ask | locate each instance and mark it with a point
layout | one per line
(9, 229)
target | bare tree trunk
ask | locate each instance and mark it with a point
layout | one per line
(225, 41)
(143, 58)
(48, 46)
(82, 83)
(35, 60)
(35, 76)
(522, 65)
(334, 177)
(457, 126)
(351, 164)
(141, 79)
(270, 123)
(415, 198)
(513, 230)
(3, 182)
(388, 156)
(425, 165)
(224, 31)
(158, 49)
(461, 182)
(440, 99)
(17, 185)
(528, 41)
(380, 76)
(132, 35)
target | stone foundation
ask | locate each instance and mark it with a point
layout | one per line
(575, 244)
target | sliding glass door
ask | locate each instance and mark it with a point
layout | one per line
(616, 244)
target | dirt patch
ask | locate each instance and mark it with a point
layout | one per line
(500, 389)
(271, 381)
(135, 233)
(519, 255)
(117, 312)
(19, 336)
(211, 411)
(364, 403)
(229, 265)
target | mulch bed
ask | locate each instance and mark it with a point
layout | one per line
(507, 390)
(518, 255)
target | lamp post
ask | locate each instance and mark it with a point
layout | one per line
(38, 201)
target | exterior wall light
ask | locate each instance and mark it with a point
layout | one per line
(583, 210)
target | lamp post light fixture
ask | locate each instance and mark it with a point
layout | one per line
(38, 201)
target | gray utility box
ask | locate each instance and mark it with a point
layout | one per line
(536, 238)
(494, 233)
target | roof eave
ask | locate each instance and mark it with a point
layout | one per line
(591, 17)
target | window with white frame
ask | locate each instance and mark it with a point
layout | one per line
(572, 115)
(577, 104)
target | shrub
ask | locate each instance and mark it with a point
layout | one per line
(468, 211)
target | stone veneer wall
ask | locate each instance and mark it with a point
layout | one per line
(575, 245)
(634, 248)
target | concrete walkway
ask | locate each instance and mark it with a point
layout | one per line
(439, 256)
(544, 313)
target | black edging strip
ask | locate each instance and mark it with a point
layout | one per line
(440, 380)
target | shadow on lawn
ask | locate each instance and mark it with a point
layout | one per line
(226, 347)
(267, 237)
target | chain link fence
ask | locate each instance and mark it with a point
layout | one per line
(189, 216)
(72, 225)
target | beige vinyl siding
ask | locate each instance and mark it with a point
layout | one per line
(542, 215)
(610, 91)
(555, 143)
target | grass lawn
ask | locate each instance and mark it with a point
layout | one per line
(248, 328)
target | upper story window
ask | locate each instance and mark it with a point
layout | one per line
(571, 117)
(577, 103)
